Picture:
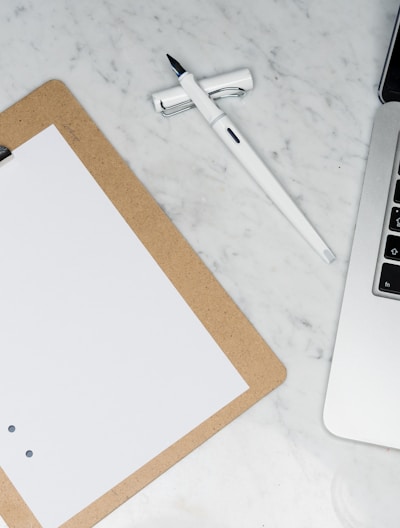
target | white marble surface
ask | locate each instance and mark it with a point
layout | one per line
(316, 66)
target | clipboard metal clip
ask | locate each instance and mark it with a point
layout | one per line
(221, 93)
(5, 155)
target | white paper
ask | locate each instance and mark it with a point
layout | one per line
(102, 363)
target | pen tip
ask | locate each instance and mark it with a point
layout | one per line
(178, 68)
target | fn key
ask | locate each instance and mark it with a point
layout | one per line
(390, 279)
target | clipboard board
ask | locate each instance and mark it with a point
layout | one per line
(53, 103)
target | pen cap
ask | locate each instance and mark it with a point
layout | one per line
(217, 86)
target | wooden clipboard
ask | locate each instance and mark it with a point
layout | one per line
(52, 103)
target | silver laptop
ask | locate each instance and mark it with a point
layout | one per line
(363, 397)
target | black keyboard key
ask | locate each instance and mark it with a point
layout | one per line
(390, 279)
(397, 192)
(394, 223)
(392, 249)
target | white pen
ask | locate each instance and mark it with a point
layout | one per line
(237, 144)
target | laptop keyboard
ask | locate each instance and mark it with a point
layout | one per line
(387, 276)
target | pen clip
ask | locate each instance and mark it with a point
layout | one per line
(221, 93)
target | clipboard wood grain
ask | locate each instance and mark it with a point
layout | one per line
(53, 103)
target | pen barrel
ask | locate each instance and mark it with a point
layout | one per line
(200, 98)
(240, 148)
